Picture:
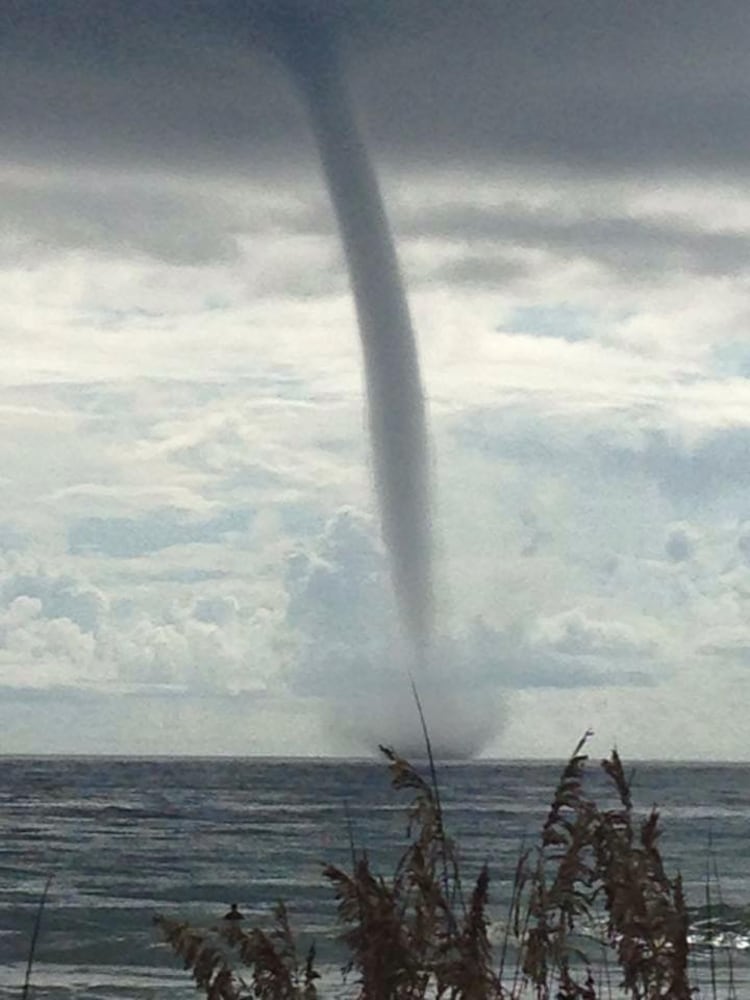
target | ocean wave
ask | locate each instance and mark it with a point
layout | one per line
(722, 926)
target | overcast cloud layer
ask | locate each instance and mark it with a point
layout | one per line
(189, 550)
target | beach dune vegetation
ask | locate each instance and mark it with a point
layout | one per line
(593, 913)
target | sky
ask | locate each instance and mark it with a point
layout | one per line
(190, 548)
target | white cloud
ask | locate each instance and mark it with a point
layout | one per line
(573, 634)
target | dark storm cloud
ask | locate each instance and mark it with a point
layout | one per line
(642, 249)
(492, 244)
(636, 85)
(78, 215)
(481, 270)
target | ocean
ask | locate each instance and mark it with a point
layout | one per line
(125, 839)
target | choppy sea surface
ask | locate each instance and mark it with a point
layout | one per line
(125, 839)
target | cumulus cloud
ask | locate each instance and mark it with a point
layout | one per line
(56, 631)
(38, 650)
(573, 634)
(340, 587)
(57, 597)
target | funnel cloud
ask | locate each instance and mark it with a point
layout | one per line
(395, 400)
